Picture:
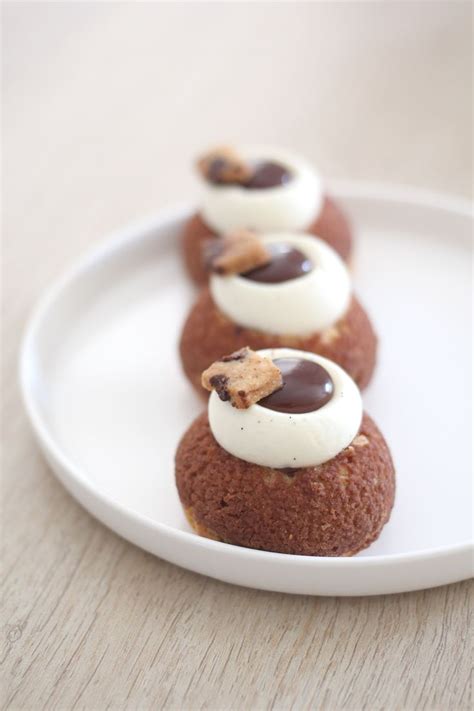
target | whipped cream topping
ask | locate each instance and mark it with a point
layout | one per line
(292, 206)
(280, 440)
(302, 306)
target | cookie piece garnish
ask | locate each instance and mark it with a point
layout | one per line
(236, 253)
(243, 377)
(223, 165)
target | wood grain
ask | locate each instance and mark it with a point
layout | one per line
(104, 104)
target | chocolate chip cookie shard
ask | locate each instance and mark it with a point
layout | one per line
(243, 377)
(224, 165)
(237, 253)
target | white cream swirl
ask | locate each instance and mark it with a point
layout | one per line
(292, 206)
(277, 439)
(301, 306)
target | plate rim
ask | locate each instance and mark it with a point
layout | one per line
(114, 242)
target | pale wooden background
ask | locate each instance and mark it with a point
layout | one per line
(103, 106)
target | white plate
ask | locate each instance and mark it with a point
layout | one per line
(108, 404)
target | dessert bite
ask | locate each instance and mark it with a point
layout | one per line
(285, 459)
(277, 290)
(266, 190)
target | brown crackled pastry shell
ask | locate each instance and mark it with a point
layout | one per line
(332, 226)
(208, 334)
(335, 509)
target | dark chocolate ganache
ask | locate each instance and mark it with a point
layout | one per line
(307, 386)
(286, 263)
(268, 175)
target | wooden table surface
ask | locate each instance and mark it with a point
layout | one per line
(104, 104)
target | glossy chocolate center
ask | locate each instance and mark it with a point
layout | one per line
(286, 263)
(307, 386)
(268, 175)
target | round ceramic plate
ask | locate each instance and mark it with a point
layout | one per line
(108, 403)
